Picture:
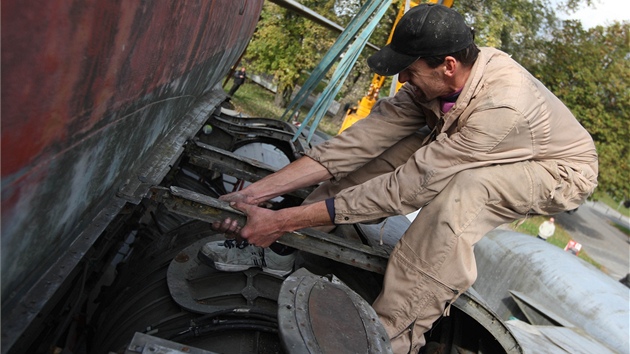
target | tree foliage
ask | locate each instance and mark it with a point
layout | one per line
(514, 26)
(288, 46)
(589, 71)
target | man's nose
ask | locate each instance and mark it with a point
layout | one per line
(403, 76)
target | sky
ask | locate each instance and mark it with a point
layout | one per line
(605, 12)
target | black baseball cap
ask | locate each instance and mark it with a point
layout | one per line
(426, 30)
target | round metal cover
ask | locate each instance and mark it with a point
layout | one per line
(203, 289)
(319, 315)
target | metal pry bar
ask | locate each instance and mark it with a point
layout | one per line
(202, 207)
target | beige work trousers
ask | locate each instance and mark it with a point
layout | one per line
(433, 263)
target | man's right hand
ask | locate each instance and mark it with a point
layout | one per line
(238, 196)
(243, 197)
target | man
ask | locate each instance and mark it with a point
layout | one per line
(239, 79)
(471, 138)
(546, 229)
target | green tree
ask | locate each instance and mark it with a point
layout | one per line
(589, 71)
(514, 26)
(286, 45)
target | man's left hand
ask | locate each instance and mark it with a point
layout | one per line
(263, 226)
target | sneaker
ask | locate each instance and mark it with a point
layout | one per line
(276, 264)
(230, 256)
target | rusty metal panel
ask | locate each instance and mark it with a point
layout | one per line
(88, 89)
(92, 91)
(309, 312)
(574, 290)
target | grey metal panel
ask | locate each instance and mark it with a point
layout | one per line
(537, 312)
(196, 286)
(147, 344)
(577, 291)
(321, 315)
(555, 340)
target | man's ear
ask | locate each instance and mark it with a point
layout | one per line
(450, 66)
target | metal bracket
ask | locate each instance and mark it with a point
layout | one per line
(202, 207)
(219, 160)
(148, 344)
(260, 127)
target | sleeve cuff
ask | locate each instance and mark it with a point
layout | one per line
(330, 206)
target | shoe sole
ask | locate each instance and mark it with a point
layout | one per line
(280, 273)
(236, 267)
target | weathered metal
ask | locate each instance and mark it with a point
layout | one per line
(321, 315)
(250, 128)
(90, 92)
(201, 207)
(552, 282)
(200, 288)
(222, 161)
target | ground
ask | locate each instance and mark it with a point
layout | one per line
(591, 225)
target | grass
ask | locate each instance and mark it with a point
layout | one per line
(613, 204)
(560, 238)
(256, 101)
(621, 228)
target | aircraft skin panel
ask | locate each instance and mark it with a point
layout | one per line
(575, 290)
(554, 340)
(88, 88)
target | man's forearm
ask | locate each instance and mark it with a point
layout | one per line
(305, 216)
(265, 226)
(301, 173)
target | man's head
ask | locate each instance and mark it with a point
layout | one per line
(428, 31)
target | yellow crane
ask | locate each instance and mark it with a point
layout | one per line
(364, 106)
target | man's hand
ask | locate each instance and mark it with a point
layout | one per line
(243, 196)
(230, 227)
(263, 226)
(238, 196)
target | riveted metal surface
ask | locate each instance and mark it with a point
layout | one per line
(199, 288)
(576, 292)
(318, 315)
(89, 90)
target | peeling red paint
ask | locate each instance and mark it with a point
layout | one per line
(73, 74)
(75, 65)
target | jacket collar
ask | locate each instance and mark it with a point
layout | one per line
(471, 88)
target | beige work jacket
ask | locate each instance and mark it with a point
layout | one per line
(503, 115)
